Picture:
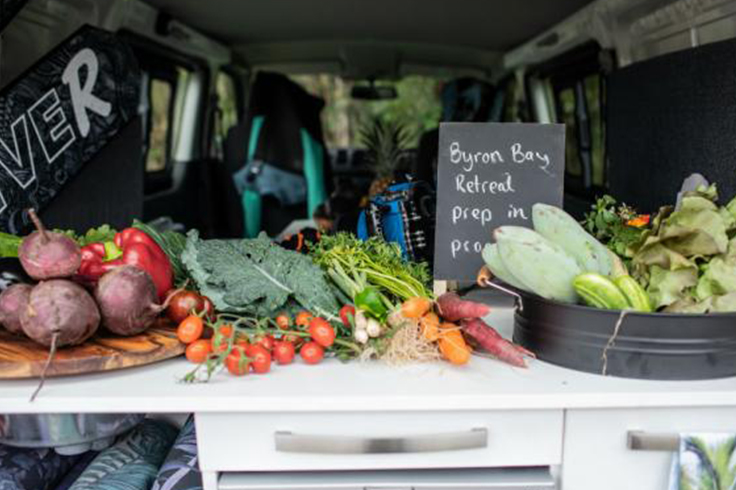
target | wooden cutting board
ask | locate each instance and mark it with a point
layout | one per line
(20, 357)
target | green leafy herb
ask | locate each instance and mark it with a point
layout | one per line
(609, 223)
(354, 264)
(9, 245)
(257, 277)
(104, 233)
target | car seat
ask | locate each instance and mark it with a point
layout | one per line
(284, 171)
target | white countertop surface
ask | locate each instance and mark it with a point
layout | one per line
(484, 384)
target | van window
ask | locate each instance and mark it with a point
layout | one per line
(167, 89)
(573, 89)
(417, 108)
(227, 103)
(161, 99)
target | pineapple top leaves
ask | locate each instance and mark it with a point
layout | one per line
(385, 142)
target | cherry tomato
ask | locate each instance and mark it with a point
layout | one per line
(346, 312)
(183, 304)
(283, 352)
(293, 339)
(237, 361)
(221, 338)
(266, 342)
(260, 359)
(190, 329)
(322, 332)
(283, 321)
(198, 351)
(303, 318)
(312, 353)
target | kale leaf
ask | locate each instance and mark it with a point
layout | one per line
(256, 276)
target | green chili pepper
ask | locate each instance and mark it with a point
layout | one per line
(369, 300)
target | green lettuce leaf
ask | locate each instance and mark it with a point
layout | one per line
(724, 304)
(689, 305)
(668, 286)
(257, 277)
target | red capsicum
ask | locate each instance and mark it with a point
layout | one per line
(130, 247)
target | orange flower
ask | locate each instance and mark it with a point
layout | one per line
(639, 221)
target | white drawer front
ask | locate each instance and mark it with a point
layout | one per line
(596, 453)
(248, 442)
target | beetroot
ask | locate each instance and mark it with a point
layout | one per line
(12, 301)
(60, 313)
(48, 255)
(127, 299)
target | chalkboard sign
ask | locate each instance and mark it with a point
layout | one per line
(55, 117)
(490, 175)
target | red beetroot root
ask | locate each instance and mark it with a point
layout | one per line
(127, 299)
(48, 255)
(12, 302)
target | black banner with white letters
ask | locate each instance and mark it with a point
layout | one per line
(58, 115)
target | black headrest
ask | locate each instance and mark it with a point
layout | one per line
(287, 109)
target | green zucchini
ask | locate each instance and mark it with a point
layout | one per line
(635, 294)
(599, 291)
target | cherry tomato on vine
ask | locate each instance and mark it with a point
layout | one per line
(237, 362)
(312, 353)
(198, 351)
(303, 318)
(266, 342)
(260, 359)
(283, 352)
(190, 329)
(322, 332)
(221, 338)
(283, 321)
(346, 312)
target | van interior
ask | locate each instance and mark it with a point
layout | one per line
(336, 97)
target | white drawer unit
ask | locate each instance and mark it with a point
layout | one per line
(471, 479)
(378, 440)
(631, 448)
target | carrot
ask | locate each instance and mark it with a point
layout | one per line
(496, 345)
(452, 308)
(415, 307)
(430, 325)
(453, 347)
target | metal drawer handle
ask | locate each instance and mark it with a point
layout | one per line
(638, 440)
(289, 442)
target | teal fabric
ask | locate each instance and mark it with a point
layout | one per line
(314, 172)
(251, 200)
(133, 462)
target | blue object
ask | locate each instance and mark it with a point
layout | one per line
(386, 217)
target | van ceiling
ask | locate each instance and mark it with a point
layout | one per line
(452, 33)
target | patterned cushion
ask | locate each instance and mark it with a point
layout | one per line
(180, 471)
(32, 469)
(132, 463)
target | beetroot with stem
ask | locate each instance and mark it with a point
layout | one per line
(127, 299)
(59, 313)
(12, 302)
(48, 255)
